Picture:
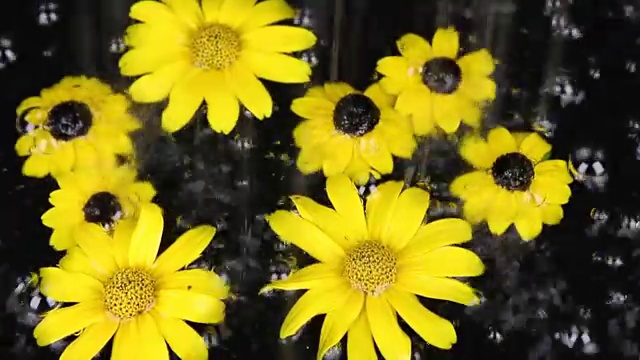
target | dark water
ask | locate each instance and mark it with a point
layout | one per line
(566, 66)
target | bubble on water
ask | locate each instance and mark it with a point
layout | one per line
(117, 45)
(7, 54)
(48, 13)
(564, 87)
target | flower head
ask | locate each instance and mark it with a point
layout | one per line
(434, 86)
(78, 123)
(513, 182)
(120, 288)
(349, 132)
(214, 51)
(104, 197)
(372, 266)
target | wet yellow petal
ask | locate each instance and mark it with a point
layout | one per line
(477, 152)
(61, 217)
(557, 169)
(478, 89)
(470, 183)
(445, 261)
(211, 10)
(152, 12)
(436, 234)
(392, 342)
(76, 261)
(414, 48)
(338, 321)
(551, 214)
(67, 198)
(380, 206)
(436, 287)
(396, 130)
(65, 286)
(251, 92)
(375, 152)
(277, 67)
(327, 220)
(311, 303)
(379, 97)
(529, 222)
(199, 280)
(234, 13)
(36, 165)
(338, 152)
(122, 241)
(223, 108)
(477, 206)
(501, 141)
(185, 250)
(503, 211)
(446, 43)
(535, 147)
(267, 12)
(190, 306)
(471, 113)
(154, 35)
(185, 98)
(63, 159)
(97, 245)
(28, 103)
(183, 340)
(90, 341)
(359, 339)
(446, 112)
(157, 85)
(408, 214)
(346, 200)
(313, 107)
(126, 343)
(146, 237)
(152, 344)
(478, 63)
(62, 238)
(60, 323)
(309, 160)
(305, 235)
(397, 68)
(417, 101)
(24, 145)
(432, 328)
(337, 90)
(187, 10)
(279, 38)
(551, 190)
(314, 276)
(147, 59)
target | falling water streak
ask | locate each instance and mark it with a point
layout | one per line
(338, 12)
(84, 37)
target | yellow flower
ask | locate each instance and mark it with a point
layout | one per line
(434, 86)
(121, 288)
(215, 51)
(512, 183)
(372, 267)
(349, 132)
(78, 123)
(103, 197)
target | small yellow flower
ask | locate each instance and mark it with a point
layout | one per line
(436, 87)
(75, 124)
(512, 183)
(121, 289)
(104, 198)
(216, 51)
(349, 132)
(372, 267)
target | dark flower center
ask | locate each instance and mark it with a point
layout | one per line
(355, 115)
(442, 75)
(69, 120)
(102, 208)
(513, 171)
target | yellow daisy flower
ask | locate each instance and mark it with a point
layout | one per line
(513, 182)
(436, 87)
(120, 288)
(77, 123)
(215, 51)
(97, 197)
(372, 266)
(349, 132)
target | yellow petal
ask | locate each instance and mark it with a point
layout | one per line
(392, 342)
(97, 245)
(477, 206)
(267, 12)
(36, 166)
(446, 43)
(337, 90)
(190, 306)
(313, 108)
(445, 261)
(278, 38)
(90, 341)
(408, 214)
(435, 287)
(277, 67)
(327, 220)
(183, 340)
(417, 101)
(551, 190)
(396, 67)
(126, 343)
(157, 85)
(436, 234)
(76, 261)
(146, 237)
(478, 89)
(67, 198)
(198, 280)
(311, 303)
(187, 10)
(65, 286)
(359, 340)
(501, 141)
(62, 239)
(143, 60)
(211, 10)
(346, 200)
(63, 159)
(380, 207)
(309, 160)
(477, 63)
(375, 152)
(338, 321)
(223, 108)
(152, 12)
(155, 35)
(551, 214)
(234, 13)
(314, 276)
(503, 211)
(529, 222)
(62, 322)
(152, 344)
(379, 97)
(305, 235)
(471, 113)
(24, 145)
(446, 112)
(535, 147)
(338, 152)
(184, 99)
(185, 250)
(251, 92)
(61, 217)
(414, 48)
(477, 152)
(432, 328)
(398, 134)
(470, 184)
(554, 168)
(122, 241)
(28, 103)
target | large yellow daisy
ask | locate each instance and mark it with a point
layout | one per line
(77, 123)
(372, 267)
(120, 288)
(434, 86)
(104, 198)
(512, 183)
(349, 132)
(215, 51)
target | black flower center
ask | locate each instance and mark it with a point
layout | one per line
(69, 120)
(102, 208)
(512, 171)
(355, 115)
(442, 75)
